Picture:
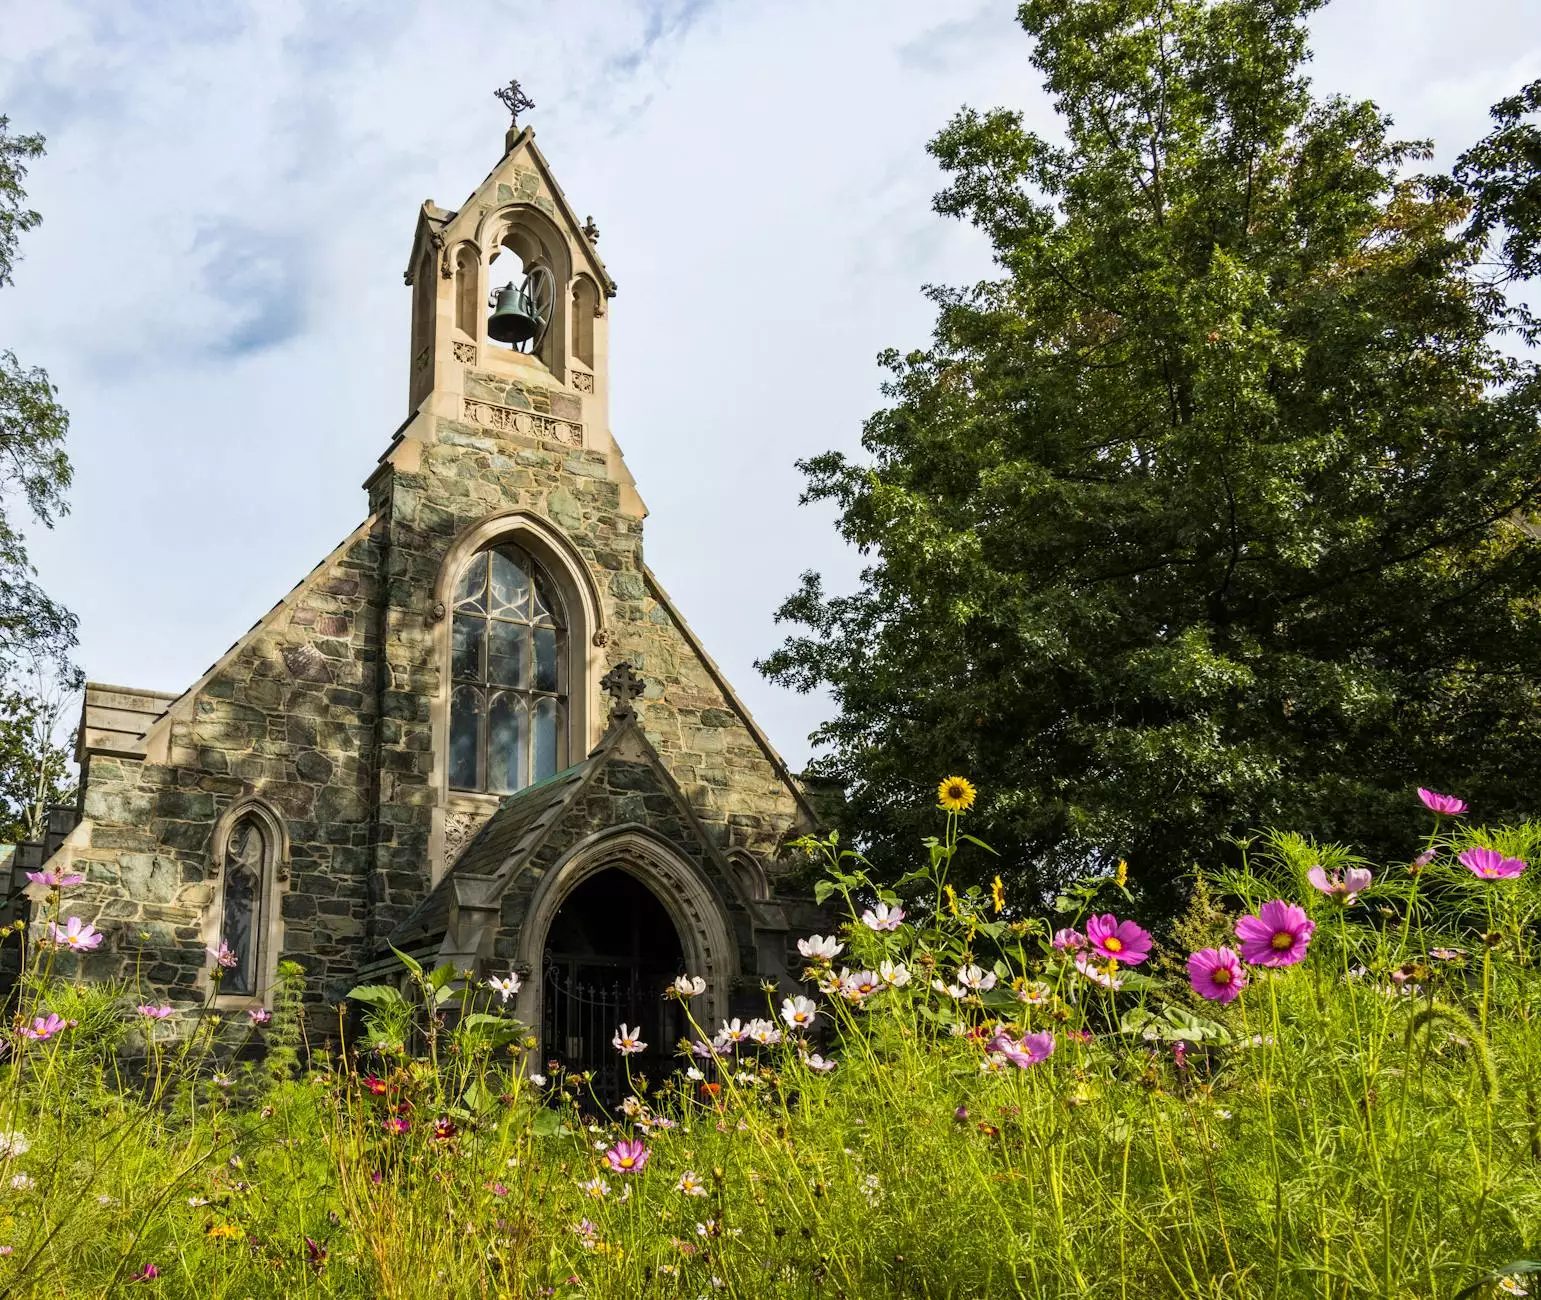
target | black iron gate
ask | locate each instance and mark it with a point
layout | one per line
(584, 1002)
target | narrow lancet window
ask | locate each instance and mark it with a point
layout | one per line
(246, 861)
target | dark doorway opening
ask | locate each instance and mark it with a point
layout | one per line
(610, 954)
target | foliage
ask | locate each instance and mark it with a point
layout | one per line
(1217, 509)
(1361, 1124)
(35, 769)
(33, 463)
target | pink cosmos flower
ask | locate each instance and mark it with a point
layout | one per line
(1446, 805)
(397, 1125)
(860, 985)
(147, 1274)
(258, 1016)
(53, 879)
(1068, 940)
(1276, 936)
(76, 934)
(628, 1156)
(882, 917)
(154, 1013)
(1490, 864)
(1116, 940)
(222, 956)
(1106, 976)
(1030, 1051)
(1216, 974)
(628, 1042)
(45, 1028)
(1343, 889)
(817, 1063)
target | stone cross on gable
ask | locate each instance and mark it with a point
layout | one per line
(622, 685)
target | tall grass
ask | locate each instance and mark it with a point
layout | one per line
(1363, 1123)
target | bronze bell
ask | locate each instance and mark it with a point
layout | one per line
(520, 312)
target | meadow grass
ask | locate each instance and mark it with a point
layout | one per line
(1362, 1122)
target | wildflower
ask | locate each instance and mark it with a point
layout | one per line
(443, 1129)
(374, 1085)
(955, 794)
(711, 1228)
(628, 1041)
(688, 986)
(221, 1232)
(1035, 993)
(1511, 1285)
(1121, 875)
(197, 1202)
(952, 899)
(799, 1012)
(1422, 860)
(817, 1063)
(595, 1187)
(315, 1254)
(690, 1185)
(13, 1144)
(764, 1033)
(221, 1080)
(1032, 1049)
(505, 987)
(1343, 889)
(76, 934)
(883, 918)
(894, 974)
(539, 1080)
(1118, 940)
(705, 1051)
(44, 1028)
(1446, 805)
(397, 1125)
(150, 1012)
(961, 1115)
(694, 1075)
(820, 948)
(1277, 936)
(1490, 864)
(1068, 940)
(1107, 976)
(1217, 974)
(861, 985)
(22, 1183)
(732, 1031)
(259, 1016)
(1447, 954)
(976, 980)
(628, 1156)
(997, 895)
(956, 993)
(53, 879)
(147, 1274)
(223, 957)
(587, 1232)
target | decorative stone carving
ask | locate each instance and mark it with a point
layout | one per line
(601, 637)
(420, 361)
(530, 424)
(459, 828)
(465, 353)
(583, 381)
(436, 612)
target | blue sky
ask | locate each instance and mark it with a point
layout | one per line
(229, 197)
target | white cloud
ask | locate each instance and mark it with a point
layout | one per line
(230, 194)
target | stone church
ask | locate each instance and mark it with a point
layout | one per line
(479, 730)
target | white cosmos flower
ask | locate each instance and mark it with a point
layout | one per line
(690, 1185)
(976, 979)
(688, 986)
(799, 1012)
(951, 990)
(858, 986)
(817, 1063)
(894, 973)
(694, 1075)
(628, 1041)
(882, 918)
(506, 987)
(764, 1032)
(820, 948)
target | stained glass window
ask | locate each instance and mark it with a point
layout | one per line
(508, 702)
(246, 856)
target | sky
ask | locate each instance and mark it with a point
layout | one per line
(229, 197)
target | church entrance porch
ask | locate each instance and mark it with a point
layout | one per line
(610, 954)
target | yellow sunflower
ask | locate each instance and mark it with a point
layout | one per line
(955, 794)
(997, 894)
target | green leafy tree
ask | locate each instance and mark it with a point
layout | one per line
(33, 464)
(1216, 509)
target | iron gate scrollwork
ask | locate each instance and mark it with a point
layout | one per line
(584, 1002)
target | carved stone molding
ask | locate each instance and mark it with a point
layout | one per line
(465, 353)
(530, 424)
(601, 637)
(420, 361)
(583, 382)
(459, 827)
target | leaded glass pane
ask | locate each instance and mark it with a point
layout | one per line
(510, 586)
(245, 854)
(545, 659)
(466, 651)
(548, 715)
(471, 590)
(542, 608)
(507, 744)
(464, 737)
(508, 654)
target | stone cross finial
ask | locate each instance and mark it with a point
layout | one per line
(514, 99)
(622, 685)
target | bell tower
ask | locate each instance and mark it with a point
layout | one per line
(509, 290)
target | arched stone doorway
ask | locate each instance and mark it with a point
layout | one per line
(610, 953)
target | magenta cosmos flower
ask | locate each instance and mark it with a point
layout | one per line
(1276, 936)
(45, 1028)
(1446, 805)
(1216, 974)
(628, 1156)
(1342, 889)
(1068, 940)
(1490, 864)
(1030, 1051)
(1116, 940)
(151, 1012)
(53, 879)
(76, 934)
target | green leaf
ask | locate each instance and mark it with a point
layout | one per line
(547, 1123)
(441, 976)
(410, 963)
(385, 996)
(822, 890)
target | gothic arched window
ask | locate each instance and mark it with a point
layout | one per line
(241, 919)
(508, 701)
